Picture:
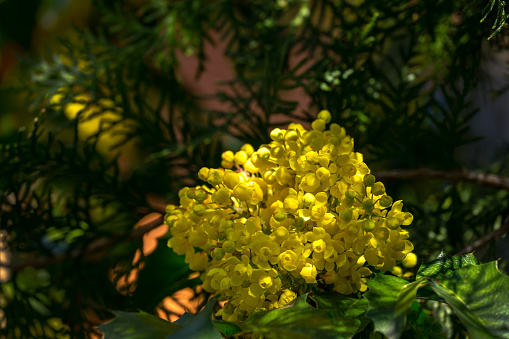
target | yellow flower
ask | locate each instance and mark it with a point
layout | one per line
(198, 261)
(410, 260)
(289, 260)
(301, 207)
(231, 179)
(243, 191)
(309, 272)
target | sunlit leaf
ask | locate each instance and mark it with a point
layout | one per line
(444, 264)
(385, 308)
(478, 295)
(301, 320)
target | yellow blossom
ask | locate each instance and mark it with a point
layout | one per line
(302, 209)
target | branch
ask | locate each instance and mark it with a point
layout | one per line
(94, 248)
(491, 180)
(486, 239)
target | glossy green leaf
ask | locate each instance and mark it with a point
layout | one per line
(301, 320)
(444, 264)
(479, 295)
(406, 297)
(227, 328)
(141, 325)
(390, 298)
(199, 326)
(344, 306)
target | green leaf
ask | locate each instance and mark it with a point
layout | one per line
(300, 320)
(343, 305)
(406, 297)
(390, 298)
(444, 264)
(200, 326)
(479, 295)
(183, 319)
(141, 325)
(227, 328)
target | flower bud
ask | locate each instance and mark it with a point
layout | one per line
(346, 215)
(325, 116)
(229, 246)
(410, 260)
(226, 164)
(385, 201)
(318, 125)
(263, 153)
(369, 180)
(368, 225)
(231, 179)
(248, 149)
(227, 156)
(291, 135)
(199, 209)
(276, 134)
(218, 253)
(228, 308)
(203, 173)
(279, 215)
(367, 205)
(351, 194)
(378, 188)
(277, 152)
(240, 158)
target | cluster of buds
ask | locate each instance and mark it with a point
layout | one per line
(300, 213)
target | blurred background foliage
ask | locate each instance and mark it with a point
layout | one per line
(108, 108)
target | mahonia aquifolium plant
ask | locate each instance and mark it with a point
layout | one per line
(301, 213)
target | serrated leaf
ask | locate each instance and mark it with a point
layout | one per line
(141, 325)
(390, 298)
(445, 264)
(300, 320)
(200, 326)
(479, 295)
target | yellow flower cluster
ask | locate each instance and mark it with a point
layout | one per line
(300, 213)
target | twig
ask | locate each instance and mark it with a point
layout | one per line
(94, 247)
(486, 239)
(491, 180)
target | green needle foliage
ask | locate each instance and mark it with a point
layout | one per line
(111, 131)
